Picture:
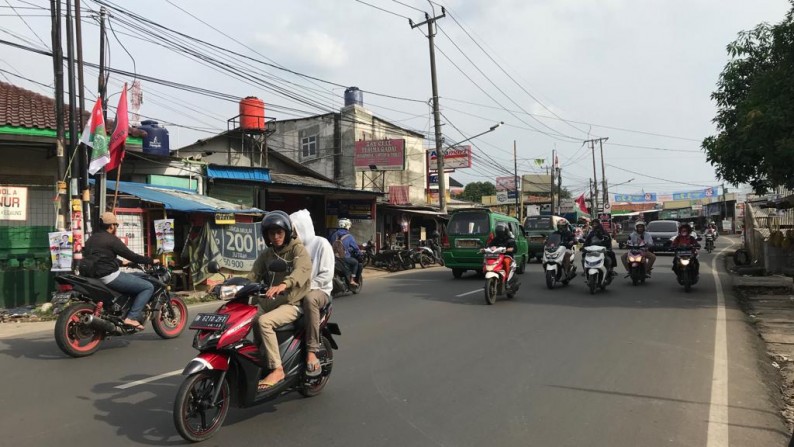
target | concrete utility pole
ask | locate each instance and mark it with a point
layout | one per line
(595, 176)
(84, 155)
(60, 131)
(517, 183)
(551, 187)
(603, 171)
(74, 160)
(102, 186)
(442, 183)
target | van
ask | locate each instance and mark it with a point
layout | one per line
(470, 230)
(537, 229)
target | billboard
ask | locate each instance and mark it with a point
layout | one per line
(379, 155)
(635, 198)
(506, 183)
(457, 157)
(536, 183)
(694, 195)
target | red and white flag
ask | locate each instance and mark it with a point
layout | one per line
(95, 137)
(120, 132)
(580, 201)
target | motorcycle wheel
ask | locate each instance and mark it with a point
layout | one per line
(635, 277)
(687, 281)
(357, 290)
(550, 279)
(591, 283)
(73, 337)
(367, 261)
(490, 291)
(195, 417)
(171, 319)
(522, 267)
(425, 261)
(314, 386)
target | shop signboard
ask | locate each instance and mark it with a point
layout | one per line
(695, 195)
(13, 203)
(506, 197)
(457, 157)
(352, 209)
(379, 155)
(636, 198)
(224, 219)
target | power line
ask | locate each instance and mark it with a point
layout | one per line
(656, 178)
(26, 24)
(382, 9)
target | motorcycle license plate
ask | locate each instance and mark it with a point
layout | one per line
(209, 322)
(467, 243)
(59, 301)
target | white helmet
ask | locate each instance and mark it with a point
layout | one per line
(345, 223)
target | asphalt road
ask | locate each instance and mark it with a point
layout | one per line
(424, 362)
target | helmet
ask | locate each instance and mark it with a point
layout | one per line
(501, 230)
(345, 223)
(562, 224)
(638, 224)
(278, 219)
(685, 227)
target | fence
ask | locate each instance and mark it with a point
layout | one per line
(760, 224)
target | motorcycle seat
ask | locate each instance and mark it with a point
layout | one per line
(298, 324)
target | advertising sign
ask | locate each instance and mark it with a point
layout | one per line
(694, 195)
(535, 183)
(503, 197)
(457, 157)
(13, 203)
(164, 230)
(61, 251)
(236, 246)
(379, 155)
(506, 183)
(566, 206)
(636, 198)
(432, 179)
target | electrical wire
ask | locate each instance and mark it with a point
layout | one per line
(27, 24)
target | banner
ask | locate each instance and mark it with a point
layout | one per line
(457, 157)
(13, 203)
(234, 247)
(506, 183)
(164, 231)
(635, 198)
(379, 155)
(61, 251)
(695, 195)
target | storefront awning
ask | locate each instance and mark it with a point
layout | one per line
(250, 174)
(177, 199)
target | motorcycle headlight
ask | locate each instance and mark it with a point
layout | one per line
(228, 292)
(684, 261)
(206, 339)
(635, 258)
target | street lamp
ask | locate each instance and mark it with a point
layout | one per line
(442, 199)
(627, 181)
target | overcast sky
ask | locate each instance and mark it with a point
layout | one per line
(601, 65)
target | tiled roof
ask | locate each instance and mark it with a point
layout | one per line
(27, 109)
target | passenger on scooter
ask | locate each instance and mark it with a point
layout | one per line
(503, 238)
(107, 247)
(282, 303)
(642, 238)
(567, 239)
(599, 236)
(684, 239)
(352, 253)
(322, 255)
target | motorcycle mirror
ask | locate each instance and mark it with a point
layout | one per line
(277, 266)
(213, 267)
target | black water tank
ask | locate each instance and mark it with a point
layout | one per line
(354, 96)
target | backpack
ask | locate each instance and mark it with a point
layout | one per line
(87, 265)
(339, 246)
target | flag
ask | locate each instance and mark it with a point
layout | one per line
(581, 203)
(95, 137)
(119, 136)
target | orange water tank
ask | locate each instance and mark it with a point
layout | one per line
(252, 113)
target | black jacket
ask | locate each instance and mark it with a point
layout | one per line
(567, 238)
(106, 247)
(507, 242)
(606, 241)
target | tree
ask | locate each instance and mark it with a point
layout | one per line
(474, 191)
(564, 193)
(755, 116)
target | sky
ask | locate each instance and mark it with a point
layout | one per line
(556, 72)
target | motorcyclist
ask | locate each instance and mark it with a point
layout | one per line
(107, 247)
(599, 236)
(568, 240)
(322, 256)
(642, 238)
(711, 229)
(282, 302)
(352, 252)
(686, 239)
(504, 238)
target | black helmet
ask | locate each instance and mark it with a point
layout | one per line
(501, 230)
(278, 219)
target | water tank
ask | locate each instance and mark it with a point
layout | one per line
(252, 113)
(156, 140)
(354, 96)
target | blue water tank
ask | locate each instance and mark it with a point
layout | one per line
(354, 96)
(156, 140)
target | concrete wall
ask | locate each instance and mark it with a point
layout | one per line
(289, 135)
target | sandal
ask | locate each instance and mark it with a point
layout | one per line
(264, 385)
(313, 369)
(133, 324)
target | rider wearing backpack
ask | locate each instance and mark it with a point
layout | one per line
(345, 247)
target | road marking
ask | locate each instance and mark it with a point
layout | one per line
(150, 379)
(717, 435)
(468, 293)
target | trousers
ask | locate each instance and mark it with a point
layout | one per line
(314, 301)
(268, 322)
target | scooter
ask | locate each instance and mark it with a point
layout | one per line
(498, 281)
(227, 370)
(596, 273)
(637, 264)
(423, 256)
(684, 267)
(553, 254)
(709, 241)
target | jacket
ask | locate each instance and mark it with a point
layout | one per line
(567, 238)
(606, 241)
(507, 242)
(107, 247)
(297, 278)
(351, 247)
(637, 239)
(319, 249)
(681, 241)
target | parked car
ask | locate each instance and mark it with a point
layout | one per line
(662, 231)
(471, 229)
(537, 229)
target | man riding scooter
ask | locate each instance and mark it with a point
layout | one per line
(599, 236)
(568, 240)
(640, 238)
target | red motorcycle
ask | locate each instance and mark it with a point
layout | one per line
(230, 364)
(497, 276)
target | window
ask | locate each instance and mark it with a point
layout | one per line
(468, 223)
(309, 146)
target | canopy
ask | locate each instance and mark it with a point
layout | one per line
(178, 199)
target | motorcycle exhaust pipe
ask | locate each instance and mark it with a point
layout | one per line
(99, 324)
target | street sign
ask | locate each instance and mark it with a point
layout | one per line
(432, 179)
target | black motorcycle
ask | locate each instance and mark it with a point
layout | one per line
(684, 266)
(89, 311)
(341, 280)
(385, 259)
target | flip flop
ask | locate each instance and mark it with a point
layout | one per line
(263, 385)
(137, 326)
(313, 369)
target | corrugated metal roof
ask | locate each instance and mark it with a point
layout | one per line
(250, 174)
(178, 199)
(293, 179)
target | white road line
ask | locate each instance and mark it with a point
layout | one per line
(150, 379)
(718, 435)
(468, 293)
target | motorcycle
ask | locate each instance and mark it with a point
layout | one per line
(683, 266)
(227, 370)
(423, 256)
(385, 259)
(596, 273)
(638, 264)
(553, 254)
(434, 251)
(341, 281)
(709, 241)
(498, 281)
(89, 311)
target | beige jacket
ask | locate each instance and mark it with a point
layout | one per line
(297, 278)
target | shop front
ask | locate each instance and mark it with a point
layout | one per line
(406, 226)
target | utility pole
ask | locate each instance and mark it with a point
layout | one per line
(592, 197)
(517, 183)
(60, 131)
(551, 188)
(559, 190)
(102, 180)
(595, 176)
(84, 155)
(724, 206)
(442, 183)
(74, 160)
(603, 173)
